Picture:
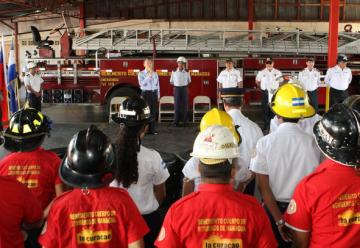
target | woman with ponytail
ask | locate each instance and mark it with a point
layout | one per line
(140, 170)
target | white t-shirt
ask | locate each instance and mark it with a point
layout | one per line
(152, 171)
(286, 156)
(337, 78)
(306, 124)
(310, 80)
(34, 81)
(229, 78)
(268, 78)
(180, 78)
(191, 171)
(250, 133)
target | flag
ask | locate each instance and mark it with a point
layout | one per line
(11, 78)
(4, 103)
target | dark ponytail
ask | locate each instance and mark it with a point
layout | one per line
(127, 146)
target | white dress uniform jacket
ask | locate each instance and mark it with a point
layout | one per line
(286, 156)
(337, 78)
(152, 171)
(35, 81)
(180, 78)
(268, 78)
(310, 80)
(229, 78)
(306, 124)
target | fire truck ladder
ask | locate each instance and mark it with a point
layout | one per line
(216, 41)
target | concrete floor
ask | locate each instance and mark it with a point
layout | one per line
(69, 119)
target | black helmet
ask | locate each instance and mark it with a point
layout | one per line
(133, 112)
(27, 130)
(353, 102)
(338, 135)
(89, 161)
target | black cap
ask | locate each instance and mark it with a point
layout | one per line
(338, 135)
(342, 58)
(232, 96)
(268, 60)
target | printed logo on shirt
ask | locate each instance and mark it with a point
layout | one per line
(93, 218)
(162, 234)
(87, 236)
(217, 242)
(29, 183)
(292, 207)
(349, 217)
(347, 200)
(222, 225)
(23, 170)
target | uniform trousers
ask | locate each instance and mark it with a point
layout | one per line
(313, 97)
(151, 98)
(267, 114)
(154, 222)
(181, 104)
(337, 96)
(282, 206)
(34, 101)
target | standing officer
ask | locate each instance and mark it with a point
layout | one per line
(249, 131)
(338, 78)
(92, 214)
(216, 215)
(150, 87)
(284, 157)
(33, 82)
(180, 78)
(267, 80)
(310, 80)
(230, 77)
(324, 210)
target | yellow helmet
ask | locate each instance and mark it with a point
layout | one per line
(219, 117)
(291, 101)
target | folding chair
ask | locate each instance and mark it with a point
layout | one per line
(115, 106)
(166, 107)
(201, 105)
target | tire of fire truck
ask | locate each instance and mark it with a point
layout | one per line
(125, 91)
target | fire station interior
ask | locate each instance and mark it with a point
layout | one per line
(90, 54)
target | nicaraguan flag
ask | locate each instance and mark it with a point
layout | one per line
(298, 101)
(11, 79)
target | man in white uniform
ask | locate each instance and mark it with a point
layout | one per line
(338, 78)
(267, 81)
(306, 124)
(310, 80)
(230, 77)
(180, 78)
(33, 82)
(284, 157)
(249, 131)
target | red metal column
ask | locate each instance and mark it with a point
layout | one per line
(334, 15)
(82, 24)
(250, 17)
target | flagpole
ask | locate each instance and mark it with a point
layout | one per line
(5, 73)
(17, 76)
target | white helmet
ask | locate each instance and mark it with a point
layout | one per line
(30, 65)
(181, 59)
(214, 145)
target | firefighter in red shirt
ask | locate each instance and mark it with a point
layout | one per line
(29, 163)
(325, 208)
(216, 215)
(19, 210)
(93, 214)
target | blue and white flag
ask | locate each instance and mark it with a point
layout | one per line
(11, 80)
